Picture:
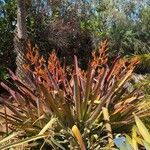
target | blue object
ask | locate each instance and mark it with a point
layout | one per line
(122, 143)
(119, 141)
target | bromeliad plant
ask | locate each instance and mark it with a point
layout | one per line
(86, 104)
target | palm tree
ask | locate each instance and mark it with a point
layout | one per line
(20, 38)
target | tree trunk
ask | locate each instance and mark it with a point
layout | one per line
(20, 38)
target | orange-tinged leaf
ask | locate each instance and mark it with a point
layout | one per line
(78, 136)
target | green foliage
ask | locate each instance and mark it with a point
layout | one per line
(145, 62)
(7, 25)
(126, 26)
(18, 143)
(74, 108)
(3, 73)
(140, 137)
(144, 84)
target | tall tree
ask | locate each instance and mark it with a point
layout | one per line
(20, 37)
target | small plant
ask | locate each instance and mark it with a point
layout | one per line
(71, 107)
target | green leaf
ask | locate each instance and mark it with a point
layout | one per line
(9, 137)
(134, 134)
(48, 125)
(146, 145)
(77, 89)
(126, 146)
(56, 143)
(21, 142)
(142, 129)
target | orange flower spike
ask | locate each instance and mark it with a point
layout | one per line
(26, 67)
(40, 72)
(29, 46)
(35, 55)
(28, 55)
(103, 52)
(42, 60)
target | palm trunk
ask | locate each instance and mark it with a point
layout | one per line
(20, 38)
